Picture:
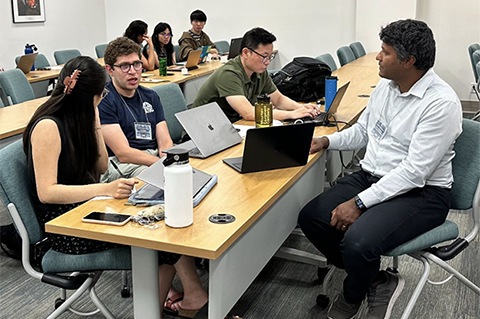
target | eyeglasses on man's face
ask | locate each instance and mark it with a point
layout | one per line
(265, 58)
(125, 67)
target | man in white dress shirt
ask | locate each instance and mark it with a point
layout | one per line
(403, 189)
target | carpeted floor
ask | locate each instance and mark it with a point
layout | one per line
(284, 289)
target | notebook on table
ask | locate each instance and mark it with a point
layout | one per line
(26, 62)
(274, 147)
(322, 119)
(190, 64)
(205, 50)
(209, 129)
(152, 193)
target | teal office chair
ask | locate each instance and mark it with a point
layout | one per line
(328, 59)
(16, 87)
(62, 56)
(465, 196)
(41, 88)
(478, 81)
(100, 50)
(477, 91)
(222, 46)
(176, 48)
(475, 57)
(345, 55)
(357, 49)
(472, 48)
(173, 102)
(15, 189)
(1, 103)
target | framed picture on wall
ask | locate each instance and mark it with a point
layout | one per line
(28, 11)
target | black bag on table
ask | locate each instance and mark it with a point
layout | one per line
(303, 79)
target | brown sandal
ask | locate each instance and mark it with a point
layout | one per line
(201, 313)
(167, 306)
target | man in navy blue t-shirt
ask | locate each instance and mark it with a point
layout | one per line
(133, 122)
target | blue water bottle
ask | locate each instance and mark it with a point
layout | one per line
(29, 50)
(330, 90)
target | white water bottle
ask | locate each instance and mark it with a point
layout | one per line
(178, 189)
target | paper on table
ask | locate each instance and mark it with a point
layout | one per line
(242, 129)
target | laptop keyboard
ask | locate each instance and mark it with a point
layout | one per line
(321, 117)
(194, 152)
(237, 165)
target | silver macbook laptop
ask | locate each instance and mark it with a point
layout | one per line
(209, 129)
(26, 62)
(190, 64)
(274, 147)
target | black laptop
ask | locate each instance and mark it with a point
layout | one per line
(273, 148)
(322, 119)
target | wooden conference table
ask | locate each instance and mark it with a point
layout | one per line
(265, 205)
(14, 118)
(175, 77)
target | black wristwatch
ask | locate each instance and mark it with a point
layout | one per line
(360, 204)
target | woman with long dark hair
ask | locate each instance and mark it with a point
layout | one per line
(162, 43)
(64, 143)
(137, 31)
(66, 155)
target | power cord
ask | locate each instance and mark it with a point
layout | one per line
(340, 152)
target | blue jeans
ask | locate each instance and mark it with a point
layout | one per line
(378, 230)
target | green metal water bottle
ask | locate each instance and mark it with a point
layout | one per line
(162, 64)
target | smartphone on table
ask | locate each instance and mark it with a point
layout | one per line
(106, 218)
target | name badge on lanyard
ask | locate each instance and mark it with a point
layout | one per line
(143, 131)
(379, 131)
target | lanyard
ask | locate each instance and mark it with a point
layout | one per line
(128, 107)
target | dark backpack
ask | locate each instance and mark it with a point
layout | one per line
(10, 241)
(11, 244)
(303, 79)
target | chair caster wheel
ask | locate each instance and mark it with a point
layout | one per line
(322, 301)
(125, 292)
(321, 273)
(59, 302)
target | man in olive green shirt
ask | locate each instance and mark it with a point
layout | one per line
(236, 85)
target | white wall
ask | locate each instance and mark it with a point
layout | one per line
(302, 27)
(456, 25)
(69, 24)
(373, 14)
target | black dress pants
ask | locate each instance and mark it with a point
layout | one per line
(378, 230)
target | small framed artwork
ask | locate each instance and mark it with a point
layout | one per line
(28, 11)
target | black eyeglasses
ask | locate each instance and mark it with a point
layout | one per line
(167, 35)
(125, 67)
(265, 58)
